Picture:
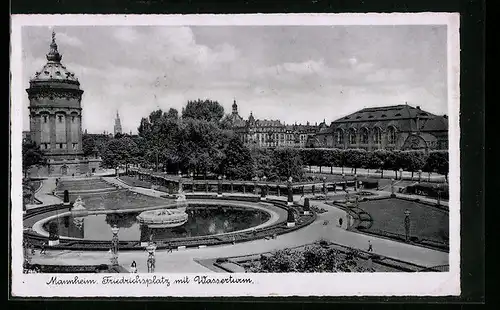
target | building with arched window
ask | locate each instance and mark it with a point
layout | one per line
(266, 133)
(56, 117)
(399, 127)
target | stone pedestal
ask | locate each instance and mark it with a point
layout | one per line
(290, 224)
(53, 242)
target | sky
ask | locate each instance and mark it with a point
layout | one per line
(291, 73)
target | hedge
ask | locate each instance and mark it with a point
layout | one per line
(433, 161)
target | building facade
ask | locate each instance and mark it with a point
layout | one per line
(271, 133)
(118, 124)
(56, 117)
(400, 127)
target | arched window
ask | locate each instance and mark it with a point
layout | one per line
(391, 135)
(364, 135)
(60, 118)
(45, 118)
(339, 136)
(352, 136)
(377, 135)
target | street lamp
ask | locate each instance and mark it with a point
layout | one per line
(151, 249)
(407, 225)
(27, 254)
(438, 190)
(344, 185)
(290, 192)
(264, 191)
(400, 173)
(255, 184)
(381, 169)
(114, 245)
(419, 175)
(356, 182)
(219, 186)
(392, 188)
(325, 190)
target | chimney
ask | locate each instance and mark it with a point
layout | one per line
(418, 107)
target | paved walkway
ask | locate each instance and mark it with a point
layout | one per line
(388, 174)
(45, 194)
(183, 261)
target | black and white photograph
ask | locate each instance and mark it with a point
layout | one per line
(250, 155)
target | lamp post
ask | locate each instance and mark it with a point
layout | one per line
(192, 182)
(219, 186)
(114, 245)
(343, 182)
(263, 192)
(401, 173)
(356, 182)
(27, 254)
(419, 175)
(438, 190)
(325, 190)
(407, 225)
(392, 188)
(255, 184)
(151, 249)
(290, 192)
(381, 169)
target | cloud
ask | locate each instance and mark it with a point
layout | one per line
(63, 38)
(138, 69)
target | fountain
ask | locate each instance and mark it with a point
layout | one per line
(166, 218)
(79, 209)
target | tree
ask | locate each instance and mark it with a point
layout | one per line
(288, 163)
(201, 145)
(208, 110)
(238, 162)
(263, 163)
(355, 158)
(413, 161)
(89, 146)
(32, 156)
(119, 152)
(160, 134)
(438, 161)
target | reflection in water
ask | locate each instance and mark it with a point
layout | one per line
(202, 221)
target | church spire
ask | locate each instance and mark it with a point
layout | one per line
(235, 107)
(118, 125)
(53, 54)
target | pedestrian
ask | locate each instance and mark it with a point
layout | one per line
(234, 240)
(133, 267)
(42, 250)
(169, 247)
(370, 246)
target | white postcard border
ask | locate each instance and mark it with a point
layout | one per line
(296, 284)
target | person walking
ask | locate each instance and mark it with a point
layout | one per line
(370, 246)
(133, 267)
(42, 250)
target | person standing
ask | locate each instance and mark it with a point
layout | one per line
(133, 267)
(370, 246)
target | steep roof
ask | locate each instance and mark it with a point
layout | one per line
(386, 113)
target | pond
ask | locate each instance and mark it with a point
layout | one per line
(203, 220)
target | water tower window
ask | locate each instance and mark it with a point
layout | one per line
(60, 118)
(72, 119)
(45, 118)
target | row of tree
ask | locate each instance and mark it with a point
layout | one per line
(433, 161)
(199, 142)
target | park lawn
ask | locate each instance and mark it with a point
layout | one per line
(80, 185)
(120, 199)
(426, 222)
